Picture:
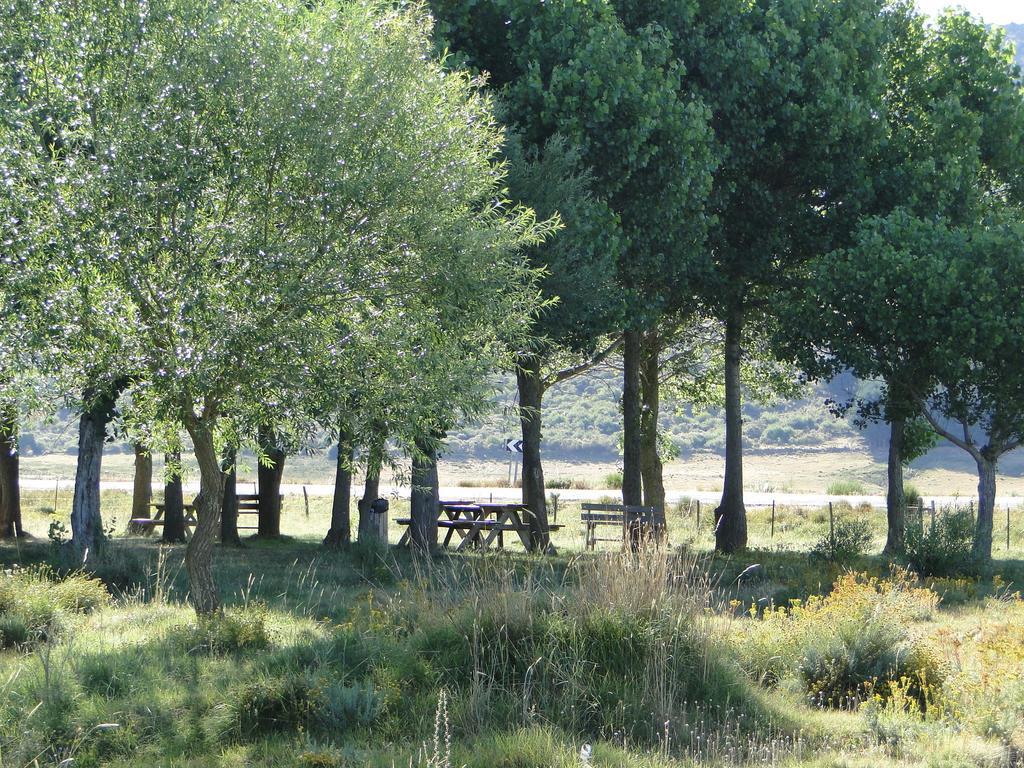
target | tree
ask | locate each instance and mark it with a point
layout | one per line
(174, 500)
(952, 144)
(956, 311)
(142, 489)
(600, 112)
(793, 87)
(294, 173)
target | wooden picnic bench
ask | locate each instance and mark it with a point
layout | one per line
(480, 524)
(248, 504)
(648, 522)
(146, 525)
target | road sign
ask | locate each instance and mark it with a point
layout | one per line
(513, 445)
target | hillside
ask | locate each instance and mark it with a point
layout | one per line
(582, 421)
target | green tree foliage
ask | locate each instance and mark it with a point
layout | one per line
(892, 306)
(261, 190)
(794, 89)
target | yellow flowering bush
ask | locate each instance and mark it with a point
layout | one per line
(856, 642)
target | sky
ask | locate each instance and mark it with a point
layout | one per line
(991, 11)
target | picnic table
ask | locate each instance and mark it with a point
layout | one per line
(480, 524)
(146, 525)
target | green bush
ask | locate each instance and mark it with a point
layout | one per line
(850, 540)
(851, 644)
(845, 487)
(234, 631)
(275, 703)
(944, 548)
(612, 481)
(35, 603)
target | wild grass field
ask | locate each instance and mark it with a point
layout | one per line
(370, 657)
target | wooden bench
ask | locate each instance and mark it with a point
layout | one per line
(648, 521)
(249, 504)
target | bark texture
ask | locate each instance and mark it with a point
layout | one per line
(174, 503)
(229, 506)
(269, 480)
(651, 469)
(895, 503)
(986, 507)
(731, 514)
(142, 490)
(632, 479)
(531, 395)
(86, 522)
(203, 590)
(10, 488)
(340, 534)
(424, 501)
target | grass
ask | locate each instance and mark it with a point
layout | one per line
(369, 657)
(846, 487)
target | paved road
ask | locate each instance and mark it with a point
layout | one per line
(752, 499)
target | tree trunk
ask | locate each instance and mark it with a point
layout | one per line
(340, 534)
(10, 488)
(425, 497)
(86, 523)
(229, 505)
(895, 504)
(269, 480)
(174, 502)
(531, 395)
(199, 553)
(651, 468)
(986, 509)
(632, 480)
(142, 492)
(371, 490)
(731, 515)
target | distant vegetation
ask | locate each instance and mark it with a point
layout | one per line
(582, 419)
(1016, 33)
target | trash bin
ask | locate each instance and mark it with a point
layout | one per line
(379, 519)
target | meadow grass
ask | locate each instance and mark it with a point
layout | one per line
(373, 657)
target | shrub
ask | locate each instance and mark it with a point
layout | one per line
(612, 481)
(34, 603)
(849, 645)
(275, 703)
(911, 496)
(845, 487)
(233, 631)
(944, 548)
(850, 540)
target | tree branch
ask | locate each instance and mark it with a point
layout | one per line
(575, 370)
(967, 446)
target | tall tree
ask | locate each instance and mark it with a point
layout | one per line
(174, 500)
(575, 73)
(282, 167)
(953, 143)
(794, 87)
(142, 488)
(269, 473)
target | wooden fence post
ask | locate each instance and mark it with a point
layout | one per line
(831, 525)
(698, 515)
(773, 518)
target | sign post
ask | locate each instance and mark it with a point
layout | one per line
(514, 448)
